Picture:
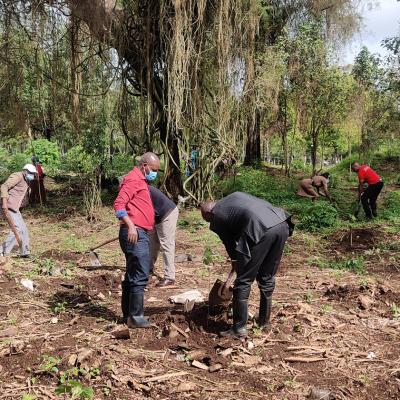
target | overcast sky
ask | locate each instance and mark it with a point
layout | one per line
(380, 22)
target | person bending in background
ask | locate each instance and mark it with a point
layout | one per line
(134, 208)
(310, 187)
(163, 235)
(14, 196)
(368, 195)
(254, 233)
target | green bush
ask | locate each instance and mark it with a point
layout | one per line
(121, 164)
(48, 152)
(76, 160)
(317, 216)
(282, 193)
(297, 165)
(356, 265)
(17, 161)
(344, 165)
(258, 183)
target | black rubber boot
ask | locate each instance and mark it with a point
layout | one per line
(136, 318)
(264, 313)
(240, 314)
(125, 301)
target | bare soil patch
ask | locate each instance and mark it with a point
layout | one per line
(328, 332)
(357, 239)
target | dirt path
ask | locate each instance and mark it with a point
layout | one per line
(331, 330)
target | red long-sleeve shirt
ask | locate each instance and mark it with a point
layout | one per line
(134, 200)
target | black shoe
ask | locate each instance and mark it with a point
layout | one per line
(166, 283)
(136, 318)
(241, 332)
(264, 313)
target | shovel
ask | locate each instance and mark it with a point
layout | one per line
(221, 292)
(358, 209)
(93, 257)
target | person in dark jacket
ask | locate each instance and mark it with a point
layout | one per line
(254, 233)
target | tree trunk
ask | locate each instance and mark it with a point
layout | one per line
(253, 144)
(105, 22)
(75, 74)
(173, 179)
(285, 137)
(314, 149)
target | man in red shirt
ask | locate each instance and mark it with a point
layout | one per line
(369, 195)
(134, 208)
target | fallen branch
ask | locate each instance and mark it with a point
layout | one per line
(165, 377)
(181, 331)
(304, 359)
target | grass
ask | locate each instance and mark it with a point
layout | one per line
(395, 312)
(354, 264)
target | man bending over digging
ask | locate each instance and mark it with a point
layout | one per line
(254, 233)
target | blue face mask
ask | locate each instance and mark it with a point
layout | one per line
(30, 177)
(151, 176)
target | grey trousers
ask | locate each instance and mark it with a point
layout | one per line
(163, 237)
(8, 245)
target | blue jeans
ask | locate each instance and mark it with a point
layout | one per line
(137, 257)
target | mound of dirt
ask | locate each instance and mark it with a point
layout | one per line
(355, 239)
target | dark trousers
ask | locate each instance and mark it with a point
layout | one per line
(368, 199)
(137, 257)
(263, 264)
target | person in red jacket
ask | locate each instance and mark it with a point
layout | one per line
(134, 208)
(38, 191)
(368, 195)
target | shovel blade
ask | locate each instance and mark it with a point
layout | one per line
(215, 298)
(94, 259)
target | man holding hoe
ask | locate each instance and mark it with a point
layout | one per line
(368, 195)
(14, 196)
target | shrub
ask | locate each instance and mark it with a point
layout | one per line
(356, 265)
(48, 152)
(121, 164)
(392, 205)
(78, 161)
(344, 165)
(17, 161)
(317, 216)
(258, 183)
(297, 165)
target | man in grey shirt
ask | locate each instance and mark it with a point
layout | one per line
(254, 233)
